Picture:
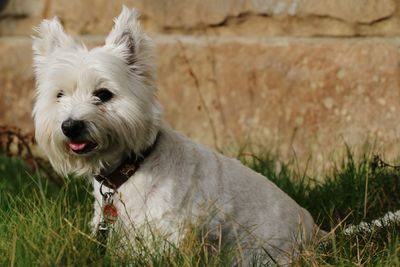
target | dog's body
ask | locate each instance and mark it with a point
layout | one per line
(182, 181)
(95, 108)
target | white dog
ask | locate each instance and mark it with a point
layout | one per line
(97, 115)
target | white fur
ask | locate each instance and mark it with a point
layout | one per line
(180, 180)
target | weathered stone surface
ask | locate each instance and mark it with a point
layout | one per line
(254, 25)
(361, 11)
(185, 14)
(387, 27)
(310, 95)
(222, 17)
(307, 94)
(20, 16)
(17, 82)
(225, 17)
(22, 8)
(84, 17)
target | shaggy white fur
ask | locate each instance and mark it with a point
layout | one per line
(180, 181)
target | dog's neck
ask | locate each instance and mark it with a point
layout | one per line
(126, 169)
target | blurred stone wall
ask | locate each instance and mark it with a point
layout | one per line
(301, 76)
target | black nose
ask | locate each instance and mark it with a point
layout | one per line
(72, 128)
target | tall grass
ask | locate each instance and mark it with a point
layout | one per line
(44, 225)
(353, 190)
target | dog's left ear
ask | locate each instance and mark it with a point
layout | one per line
(127, 33)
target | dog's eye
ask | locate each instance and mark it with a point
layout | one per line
(60, 94)
(103, 94)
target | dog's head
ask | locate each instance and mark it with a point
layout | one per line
(96, 106)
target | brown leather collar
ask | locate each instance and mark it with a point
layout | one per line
(127, 169)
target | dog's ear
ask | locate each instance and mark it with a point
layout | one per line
(127, 33)
(50, 36)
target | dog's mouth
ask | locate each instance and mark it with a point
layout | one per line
(81, 147)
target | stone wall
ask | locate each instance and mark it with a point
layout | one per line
(294, 75)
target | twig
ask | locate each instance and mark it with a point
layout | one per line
(24, 142)
(377, 162)
(202, 100)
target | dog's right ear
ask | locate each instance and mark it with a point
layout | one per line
(50, 36)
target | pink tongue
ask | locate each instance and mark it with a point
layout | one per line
(77, 146)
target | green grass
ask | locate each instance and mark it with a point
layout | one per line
(44, 225)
